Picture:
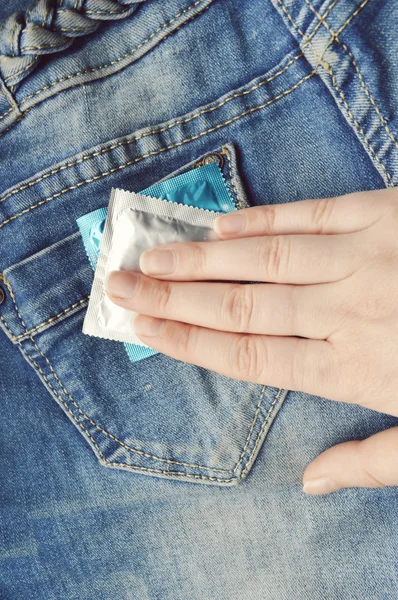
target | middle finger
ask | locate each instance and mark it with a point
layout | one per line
(299, 259)
(269, 309)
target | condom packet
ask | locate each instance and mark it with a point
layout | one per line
(203, 187)
(136, 223)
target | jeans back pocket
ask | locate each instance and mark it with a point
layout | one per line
(160, 416)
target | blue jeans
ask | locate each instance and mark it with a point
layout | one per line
(159, 479)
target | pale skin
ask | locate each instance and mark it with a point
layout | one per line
(323, 321)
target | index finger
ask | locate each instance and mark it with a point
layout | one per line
(342, 214)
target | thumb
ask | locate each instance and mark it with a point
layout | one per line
(372, 462)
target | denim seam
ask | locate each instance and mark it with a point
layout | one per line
(225, 149)
(6, 113)
(107, 12)
(93, 69)
(363, 84)
(21, 71)
(248, 465)
(131, 467)
(28, 48)
(141, 452)
(329, 69)
(268, 416)
(252, 427)
(357, 125)
(74, 29)
(97, 426)
(65, 391)
(50, 320)
(151, 132)
(156, 152)
(17, 120)
(354, 14)
(12, 45)
(16, 338)
(308, 38)
(369, 95)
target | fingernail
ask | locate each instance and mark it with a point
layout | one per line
(231, 223)
(121, 283)
(147, 326)
(322, 485)
(157, 262)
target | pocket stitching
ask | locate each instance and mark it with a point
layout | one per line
(152, 131)
(120, 57)
(160, 150)
(65, 391)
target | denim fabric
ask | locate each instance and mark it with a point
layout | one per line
(159, 479)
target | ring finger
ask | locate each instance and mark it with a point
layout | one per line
(284, 310)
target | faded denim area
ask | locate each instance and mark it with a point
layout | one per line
(158, 479)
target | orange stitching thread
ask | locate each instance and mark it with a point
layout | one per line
(44, 47)
(354, 14)
(358, 126)
(6, 113)
(45, 16)
(146, 469)
(3, 278)
(363, 84)
(107, 12)
(309, 38)
(79, 423)
(135, 450)
(156, 152)
(21, 71)
(266, 420)
(367, 92)
(18, 337)
(117, 59)
(9, 287)
(292, 22)
(320, 17)
(323, 18)
(334, 82)
(6, 326)
(149, 133)
(251, 428)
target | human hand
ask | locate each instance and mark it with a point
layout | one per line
(325, 322)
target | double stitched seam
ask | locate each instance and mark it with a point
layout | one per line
(51, 319)
(152, 132)
(113, 62)
(156, 152)
(8, 285)
(357, 125)
(369, 95)
(329, 69)
(266, 420)
(363, 84)
(308, 38)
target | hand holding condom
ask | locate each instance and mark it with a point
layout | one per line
(325, 320)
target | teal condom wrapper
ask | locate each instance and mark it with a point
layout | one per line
(202, 187)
